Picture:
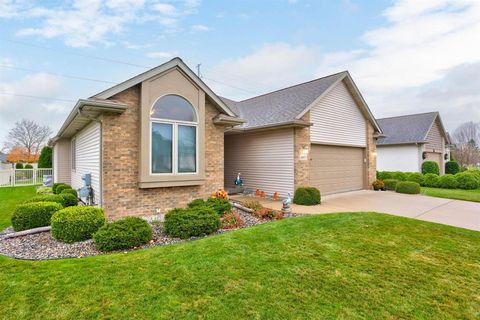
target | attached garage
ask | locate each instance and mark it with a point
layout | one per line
(336, 169)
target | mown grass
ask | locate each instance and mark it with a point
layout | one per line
(9, 198)
(335, 266)
(458, 194)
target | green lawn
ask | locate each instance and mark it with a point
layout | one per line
(468, 195)
(9, 197)
(342, 266)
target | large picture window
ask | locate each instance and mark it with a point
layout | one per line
(174, 125)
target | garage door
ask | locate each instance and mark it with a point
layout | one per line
(336, 169)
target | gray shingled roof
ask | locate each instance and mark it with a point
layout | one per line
(406, 129)
(281, 105)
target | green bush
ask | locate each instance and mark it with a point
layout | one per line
(56, 185)
(307, 196)
(220, 206)
(77, 223)
(28, 166)
(430, 167)
(69, 200)
(45, 159)
(127, 233)
(70, 191)
(390, 184)
(196, 203)
(415, 177)
(47, 198)
(408, 187)
(19, 165)
(62, 187)
(466, 181)
(447, 181)
(33, 215)
(191, 222)
(383, 175)
(475, 173)
(430, 180)
(44, 190)
(452, 167)
(400, 176)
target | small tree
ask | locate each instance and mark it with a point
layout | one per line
(28, 135)
(45, 159)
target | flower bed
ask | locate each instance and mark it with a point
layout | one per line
(42, 246)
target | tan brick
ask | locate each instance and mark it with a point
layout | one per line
(302, 167)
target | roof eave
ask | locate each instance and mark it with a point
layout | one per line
(274, 126)
(400, 143)
(228, 120)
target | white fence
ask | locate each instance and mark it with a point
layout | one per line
(23, 177)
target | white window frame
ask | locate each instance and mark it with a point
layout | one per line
(73, 154)
(175, 124)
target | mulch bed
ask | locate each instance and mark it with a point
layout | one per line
(42, 246)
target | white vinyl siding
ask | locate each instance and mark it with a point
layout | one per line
(338, 120)
(407, 158)
(264, 159)
(88, 158)
(435, 141)
(61, 161)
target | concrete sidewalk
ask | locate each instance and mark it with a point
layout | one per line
(456, 213)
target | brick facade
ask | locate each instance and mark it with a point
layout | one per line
(371, 155)
(302, 167)
(120, 170)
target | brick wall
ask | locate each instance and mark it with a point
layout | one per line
(302, 167)
(120, 171)
(371, 156)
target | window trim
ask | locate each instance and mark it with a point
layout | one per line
(175, 124)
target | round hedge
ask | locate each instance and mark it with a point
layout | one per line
(196, 203)
(415, 177)
(19, 165)
(77, 223)
(383, 175)
(28, 166)
(408, 187)
(430, 180)
(69, 200)
(44, 190)
(307, 196)
(447, 181)
(33, 215)
(47, 197)
(191, 222)
(71, 191)
(400, 176)
(62, 187)
(452, 167)
(127, 233)
(390, 184)
(466, 181)
(55, 185)
(220, 206)
(430, 167)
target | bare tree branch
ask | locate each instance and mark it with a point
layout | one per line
(466, 139)
(29, 135)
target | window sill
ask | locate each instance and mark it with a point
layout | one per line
(170, 183)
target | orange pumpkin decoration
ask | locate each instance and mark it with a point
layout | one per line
(257, 193)
(263, 194)
(275, 196)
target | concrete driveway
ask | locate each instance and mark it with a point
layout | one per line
(456, 213)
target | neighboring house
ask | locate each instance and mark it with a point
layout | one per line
(4, 164)
(410, 140)
(162, 138)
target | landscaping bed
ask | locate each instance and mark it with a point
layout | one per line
(43, 246)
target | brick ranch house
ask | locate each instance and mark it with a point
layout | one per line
(163, 138)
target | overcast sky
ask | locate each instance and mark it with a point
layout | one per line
(406, 56)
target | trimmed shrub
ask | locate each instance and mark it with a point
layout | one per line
(466, 181)
(69, 200)
(447, 181)
(33, 215)
(55, 185)
(430, 180)
(415, 177)
(390, 184)
(28, 166)
(452, 167)
(47, 198)
(400, 176)
(408, 187)
(378, 185)
(44, 190)
(196, 203)
(19, 165)
(191, 222)
(127, 233)
(220, 205)
(45, 159)
(70, 191)
(430, 167)
(475, 173)
(62, 187)
(307, 196)
(382, 175)
(77, 223)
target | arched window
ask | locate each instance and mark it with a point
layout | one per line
(174, 136)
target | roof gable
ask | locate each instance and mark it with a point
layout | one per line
(174, 63)
(412, 128)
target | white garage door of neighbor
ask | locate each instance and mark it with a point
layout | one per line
(336, 169)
